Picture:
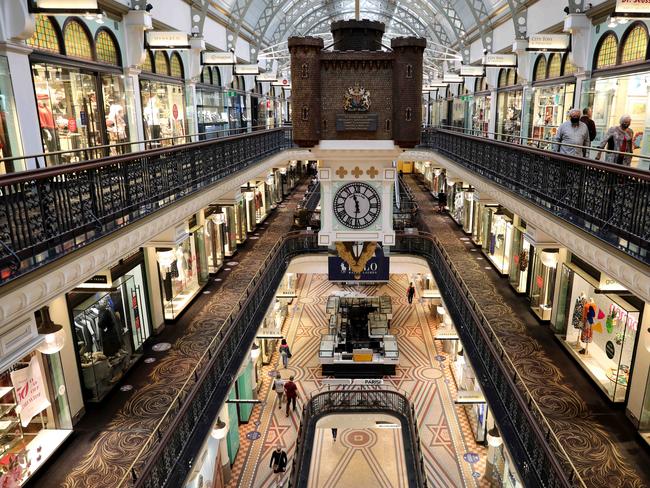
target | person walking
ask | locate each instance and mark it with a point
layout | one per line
(589, 122)
(278, 463)
(410, 293)
(278, 386)
(291, 391)
(572, 132)
(442, 201)
(285, 353)
(619, 138)
(335, 431)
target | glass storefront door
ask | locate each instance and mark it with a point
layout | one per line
(509, 115)
(481, 115)
(163, 110)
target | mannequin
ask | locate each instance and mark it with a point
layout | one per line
(588, 316)
(152, 117)
(578, 311)
(110, 327)
(116, 127)
(46, 119)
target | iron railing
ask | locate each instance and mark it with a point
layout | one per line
(358, 400)
(48, 213)
(405, 215)
(166, 455)
(609, 201)
(539, 455)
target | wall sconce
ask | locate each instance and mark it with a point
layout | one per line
(53, 333)
(255, 352)
(219, 429)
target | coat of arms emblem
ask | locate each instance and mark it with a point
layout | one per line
(357, 99)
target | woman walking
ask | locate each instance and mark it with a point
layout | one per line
(285, 353)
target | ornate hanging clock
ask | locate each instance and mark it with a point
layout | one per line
(357, 205)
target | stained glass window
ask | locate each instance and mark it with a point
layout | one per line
(76, 41)
(512, 77)
(554, 66)
(106, 48)
(147, 66)
(635, 45)
(176, 66)
(44, 37)
(607, 52)
(569, 67)
(161, 63)
(540, 68)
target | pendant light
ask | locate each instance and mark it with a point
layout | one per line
(494, 437)
(54, 334)
(219, 429)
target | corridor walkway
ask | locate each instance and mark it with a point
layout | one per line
(600, 440)
(110, 435)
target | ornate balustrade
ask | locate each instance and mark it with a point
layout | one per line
(609, 201)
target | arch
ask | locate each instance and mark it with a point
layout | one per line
(161, 63)
(147, 65)
(634, 44)
(216, 76)
(77, 40)
(568, 68)
(47, 35)
(176, 66)
(539, 71)
(206, 75)
(106, 47)
(511, 78)
(503, 75)
(606, 51)
(554, 66)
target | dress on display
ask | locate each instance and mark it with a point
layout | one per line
(577, 321)
(110, 329)
(589, 313)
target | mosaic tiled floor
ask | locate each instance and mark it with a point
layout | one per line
(444, 429)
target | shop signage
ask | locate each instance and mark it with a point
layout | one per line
(434, 85)
(610, 350)
(377, 268)
(269, 76)
(64, 6)
(210, 57)
(632, 8)
(282, 82)
(167, 40)
(247, 69)
(500, 60)
(549, 42)
(429, 88)
(452, 78)
(30, 391)
(472, 71)
(357, 121)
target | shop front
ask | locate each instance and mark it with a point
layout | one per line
(211, 112)
(496, 241)
(548, 110)
(598, 328)
(459, 106)
(236, 221)
(183, 268)
(81, 97)
(481, 114)
(237, 108)
(110, 321)
(519, 257)
(479, 205)
(257, 203)
(35, 413)
(9, 130)
(216, 239)
(162, 93)
(509, 106)
(543, 263)
(456, 200)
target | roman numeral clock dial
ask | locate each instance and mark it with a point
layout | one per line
(357, 205)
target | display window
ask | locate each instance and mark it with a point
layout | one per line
(599, 330)
(543, 267)
(255, 198)
(509, 115)
(519, 260)
(183, 272)
(497, 237)
(211, 112)
(110, 326)
(215, 237)
(9, 130)
(481, 115)
(469, 388)
(79, 108)
(468, 211)
(644, 420)
(163, 110)
(237, 109)
(230, 229)
(548, 111)
(456, 201)
(34, 415)
(458, 112)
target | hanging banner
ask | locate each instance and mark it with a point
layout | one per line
(549, 43)
(472, 71)
(500, 60)
(632, 8)
(247, 69)
(377, 268)
(452, 78)
(167, 40)
(64, 6)
(211, 58)
(30, 391)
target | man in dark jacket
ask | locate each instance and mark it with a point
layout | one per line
(587, 120)
(278, 463)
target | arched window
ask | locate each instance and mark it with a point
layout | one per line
(568, 67)
(241, 83)
(147, 65)
(512, 77)
(176, 65)
(606, 52)
(635, 44)
(503, 77)
(106, 48)
(206, 75)
(161, 63)
(46, 35)
(76, 40)
(216, 76)
(554, 66)
(540, 68)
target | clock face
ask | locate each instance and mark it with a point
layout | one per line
(357, 205)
